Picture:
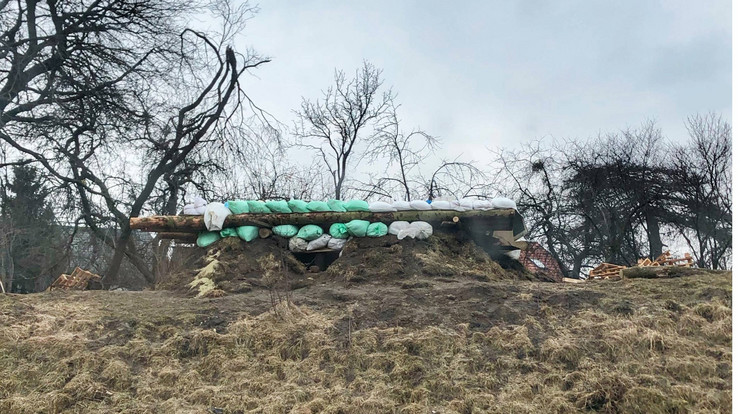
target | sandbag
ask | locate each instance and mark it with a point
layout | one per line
(357, 228)
(310, 232)
(337, 205)
(420, 205)
(482, 205)
(231, 232)
(377, 229)
(285, 230)
(298, 206)
(206, 238)
(418, 229)
(441, 205)
(336, 244)
(318, 206)
(464, 204)
(401, 205)
(214, 216)
(380, 207)
(238, 206)
(247, 233)
(258, 207)
(319, 243)
(338, 231)
(190, 210)
(199, 202)
(278, 206)
(503, 202)
(356, 205)
(296, 244)
(395, 227)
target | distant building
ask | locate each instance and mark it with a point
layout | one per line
(538, 260)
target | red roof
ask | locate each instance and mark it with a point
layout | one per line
(538, 260)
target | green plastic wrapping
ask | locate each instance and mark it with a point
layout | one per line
(285, 230)
(338, 231)
(206, 238)
(310, 232)
(357, 228)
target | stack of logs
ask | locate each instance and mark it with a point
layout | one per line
(610, 271)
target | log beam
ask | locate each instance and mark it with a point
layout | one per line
(489, 220)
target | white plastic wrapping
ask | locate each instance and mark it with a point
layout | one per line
(395, 227)
(503, 202)
(418, 229)
(336, 244)
(441, 205)
(214, 216)
(401, 205)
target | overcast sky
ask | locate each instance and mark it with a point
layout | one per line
(498, 73)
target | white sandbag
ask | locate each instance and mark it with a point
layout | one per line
(482, 205)
(200, 210)
(464, 204)
(199, 202)
(441, 205)
(189, 210)
(503, 202)
(380, 207)
(214, 216)
(514, 254)
(418, 229)
(336, 244)
(401, 205)
(420, 205)
(319, 243)
(395, 227)
(297, 244)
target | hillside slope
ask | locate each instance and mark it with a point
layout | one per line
(411, 346)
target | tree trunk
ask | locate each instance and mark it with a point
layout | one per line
(654, 236)
(111, 277)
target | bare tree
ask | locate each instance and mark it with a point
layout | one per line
(111, 97)
(405, 153)
(347, 115)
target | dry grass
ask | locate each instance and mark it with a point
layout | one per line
(645, 346)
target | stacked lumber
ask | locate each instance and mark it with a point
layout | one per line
(606, 271)
(79, 279)
(609, 270)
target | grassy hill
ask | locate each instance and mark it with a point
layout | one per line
(429, 345)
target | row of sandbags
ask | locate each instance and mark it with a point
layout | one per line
(312, 237)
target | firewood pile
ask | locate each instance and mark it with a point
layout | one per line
(79, 279)
(610, 271)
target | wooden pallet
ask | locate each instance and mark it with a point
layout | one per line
(606, 271)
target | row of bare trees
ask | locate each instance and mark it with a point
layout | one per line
(628, 195)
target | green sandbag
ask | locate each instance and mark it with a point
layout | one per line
(258, 206)
(247, 233)
(278, 206)
(336, 205)
(357, 228)
(338, 231)
(285, 230)
(310, 232)
(318, 206)
(377, 229)
(206, 238)
(356, 205)
(230, 232)
(238, 206)
(298, 206)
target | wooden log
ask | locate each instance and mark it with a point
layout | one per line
(497, 219)
(264, 233)
(180, 236)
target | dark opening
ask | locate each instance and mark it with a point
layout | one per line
(320, 259)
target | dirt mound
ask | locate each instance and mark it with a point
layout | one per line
(233, 266)
(440, 256)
